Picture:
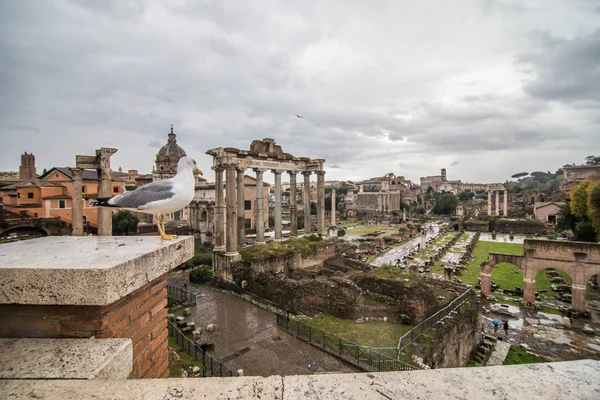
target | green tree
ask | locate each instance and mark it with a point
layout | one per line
(313, 208)
(593, 205)
(466, 195)
(520, 175)
(445, 204)
(585, 232)
(341, 232)
(566, 220)
(592, 160)
(124, 223)
(579, 200)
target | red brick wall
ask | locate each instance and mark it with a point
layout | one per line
(141, 316)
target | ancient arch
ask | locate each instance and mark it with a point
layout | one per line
(24, 229)
(579, 260)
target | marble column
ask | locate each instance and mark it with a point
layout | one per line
(219, 211)
(332, 207)
(505, 203)
(306, 199)
(104, 190)
(278, 222)
(231, 211)
(259, 213)
(497, 195)
(578, 300)
(77, 203)
(241, 217)
(293, 205)
(321, 203)
(489, 202)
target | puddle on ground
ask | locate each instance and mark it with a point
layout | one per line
(501, 238)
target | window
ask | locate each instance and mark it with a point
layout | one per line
(35, 215)
(116, 189)
(18, 195)
(56, 175)
(61, 204)
(247, 223)
(247, 205)
(83, 189)
(30, 195)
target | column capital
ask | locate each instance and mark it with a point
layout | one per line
(306, 173)
(77, 172)
(240, 169)
(292, 173)
(320, 173)
(217, 168)
(276, 171)
(259, 170)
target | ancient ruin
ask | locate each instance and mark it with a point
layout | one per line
(580, 260)
(263, 155)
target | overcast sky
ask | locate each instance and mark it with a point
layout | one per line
(485, 88)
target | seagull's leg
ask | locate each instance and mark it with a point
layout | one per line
(163, 234)
(157, 221)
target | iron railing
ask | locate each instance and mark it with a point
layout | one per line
(418, 330)
(210, 365)
(361, 356)
(184, 294)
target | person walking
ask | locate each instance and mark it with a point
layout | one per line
(505, 328)
(495, 322)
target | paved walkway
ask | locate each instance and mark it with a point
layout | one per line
(499, 354)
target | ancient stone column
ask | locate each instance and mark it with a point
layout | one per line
(321, 202)
(486, 283)
(293, 205)
(104, 190)
(497, 195)
(259, 216)
(219, 211)
(423, 238)
(231, 212)
(77, 206)
(241, 231)
(578, 299)
(306, 199)
(332, 207)
(278, 223)
(489, 202)
(505, 203)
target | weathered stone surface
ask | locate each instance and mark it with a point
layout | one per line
(562, 380)
(69, 270)
(65, 358)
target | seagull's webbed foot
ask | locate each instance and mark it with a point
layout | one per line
(164, 236)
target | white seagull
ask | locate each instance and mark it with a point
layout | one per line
(160, 197)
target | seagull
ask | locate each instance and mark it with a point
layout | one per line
(299, 116)
(160, 197)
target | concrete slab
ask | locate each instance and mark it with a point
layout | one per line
(70, 270)
(65, 358)
(563, 380)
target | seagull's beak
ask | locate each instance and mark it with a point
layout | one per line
(200, 172)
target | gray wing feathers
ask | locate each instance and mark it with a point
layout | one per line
(143, 195)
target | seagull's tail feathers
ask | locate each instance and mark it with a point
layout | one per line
(104, 202)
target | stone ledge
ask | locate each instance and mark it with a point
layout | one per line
(70, 270)
(562, 380)
(65, 358)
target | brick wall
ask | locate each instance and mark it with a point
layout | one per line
(141, 316)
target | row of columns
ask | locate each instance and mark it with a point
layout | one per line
(230, 209)
(497, 196)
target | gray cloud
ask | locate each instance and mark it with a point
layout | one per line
(480, 82)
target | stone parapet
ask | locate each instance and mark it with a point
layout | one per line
(59, 270)
(79, 287)
(562, 380)
(65, 358)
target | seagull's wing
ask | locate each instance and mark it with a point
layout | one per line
(138, 198)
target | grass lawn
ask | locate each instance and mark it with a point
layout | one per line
(371, 333)
(503, 274)
(185, 360)
(519, 355)
(364, 230)
(388, 271)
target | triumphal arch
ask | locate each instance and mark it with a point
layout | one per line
(578, 259)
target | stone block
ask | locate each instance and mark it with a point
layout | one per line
(179, 318)
(187, 312)
(191, 325)
(210, 327)
(170, 317)
(196, 334)
(72, 270)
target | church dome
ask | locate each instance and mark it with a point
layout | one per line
(171, 149)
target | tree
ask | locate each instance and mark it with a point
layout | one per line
(341, 232)
(445, 204)
(585, 232)
(466, 195)
(579, 200)
(593, 205)
(124, 223)
(592, 160)
(313, 208)
(520, 175)
(566, 220)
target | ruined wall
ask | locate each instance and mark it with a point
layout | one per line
(517, 226)
(450, 344)
(476, 226)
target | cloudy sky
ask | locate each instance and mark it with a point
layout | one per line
(485, 88)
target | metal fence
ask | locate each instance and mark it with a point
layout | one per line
(361, 356)
(184, 294)
(418, 330)
(210, 366)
